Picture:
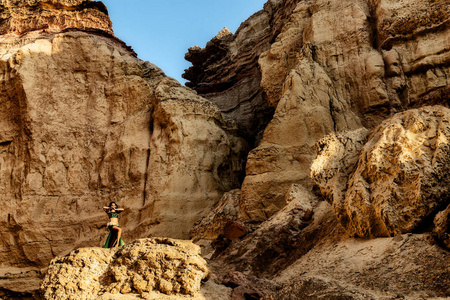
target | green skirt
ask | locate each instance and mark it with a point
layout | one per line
(112, 237)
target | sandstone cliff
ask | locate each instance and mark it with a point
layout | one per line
(344, 79)
(345, 194)
(226, 70)
(84, 122)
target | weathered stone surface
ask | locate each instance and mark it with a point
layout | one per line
(226, 70)
(165, 265)
(84, 122)
(336, 67)
(226, 211)
(20, 283)
(337, 155)
(351, 75)
(285, 237)
(403, 267)
(22, 16)
(400, 179)
(442, 228)
(308, 110)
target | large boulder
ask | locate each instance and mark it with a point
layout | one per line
(400, 180)
(168, 266)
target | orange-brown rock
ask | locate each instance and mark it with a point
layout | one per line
(169, 266)
(22, 16)
(397, 181)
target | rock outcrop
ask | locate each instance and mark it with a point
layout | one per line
(168, 266)
(336, 74)
(22, 16)
(225, 212)
(308, 110)
(400, 179)
(84, 122)
(226, 70)
(331, 66)
(404, 267)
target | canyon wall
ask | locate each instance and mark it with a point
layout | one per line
(356, 147)
(337, 109)
(328, 66)
(84, 122)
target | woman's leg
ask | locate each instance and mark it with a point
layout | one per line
(118, 235)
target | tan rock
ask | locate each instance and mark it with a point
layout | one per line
(226, 211)
(406, 266)
(308, 110)
(369, 73)
(226, 71)
(337, 155)
(284, 237)
(84, 122)
(143, 265)
(22, 16)
(399, 180)
(442, 227)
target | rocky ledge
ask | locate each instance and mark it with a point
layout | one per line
(168, 266)
(23, 16)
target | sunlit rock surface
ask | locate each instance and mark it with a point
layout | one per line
(84, 122)
(167, 266)
(22, 16)
(396, 181)
(335, 73)
(330, 66)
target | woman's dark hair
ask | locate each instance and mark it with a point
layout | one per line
(112, 204)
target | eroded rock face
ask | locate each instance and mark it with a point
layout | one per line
(225, 212)
(337, 155)
(400, 178)
(340, 65)
(405, 266)
(169, 266)
(226, 70)
(22, 16)
(285, 237)
(340, 68)
(308, 110)
(84, 122)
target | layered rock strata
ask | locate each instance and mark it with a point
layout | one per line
(345, 77)
(226, 69)
(168, 266)
(22, 16)
(331, 66)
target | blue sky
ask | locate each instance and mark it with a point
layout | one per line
(161, 31)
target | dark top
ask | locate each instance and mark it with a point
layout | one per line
(113, 214)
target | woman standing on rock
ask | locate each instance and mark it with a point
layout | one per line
(115, 232)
